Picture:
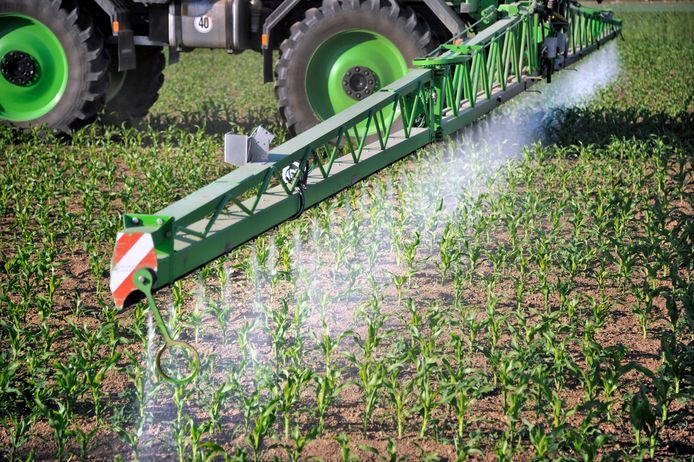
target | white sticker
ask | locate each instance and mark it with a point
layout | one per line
(203, 24)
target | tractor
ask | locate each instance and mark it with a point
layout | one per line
(63, 63)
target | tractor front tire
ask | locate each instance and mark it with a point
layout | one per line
(132, 93)
(343, 52)
(53, 66)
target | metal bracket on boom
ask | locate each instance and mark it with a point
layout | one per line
(240, 150)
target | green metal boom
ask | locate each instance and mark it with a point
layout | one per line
(451, 88)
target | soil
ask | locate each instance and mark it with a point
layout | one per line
(221, 355)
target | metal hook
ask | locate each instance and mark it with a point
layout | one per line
(144, 281)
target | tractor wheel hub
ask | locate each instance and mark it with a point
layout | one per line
(19, 68)
(359, 82)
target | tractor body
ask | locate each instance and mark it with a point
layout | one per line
(124, 57)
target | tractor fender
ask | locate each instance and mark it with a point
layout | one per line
(118, 27)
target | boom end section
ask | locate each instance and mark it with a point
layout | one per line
(145, 243)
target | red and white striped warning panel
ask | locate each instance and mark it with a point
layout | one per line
(133, 252)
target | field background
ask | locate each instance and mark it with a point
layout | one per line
(539, 308)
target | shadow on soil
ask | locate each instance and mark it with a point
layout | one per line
(212, 119)
(587, 126)
(216, 118)
(570, 126)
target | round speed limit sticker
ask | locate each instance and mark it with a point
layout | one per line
(203, 24)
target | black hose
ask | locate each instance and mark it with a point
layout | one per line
(301, 187)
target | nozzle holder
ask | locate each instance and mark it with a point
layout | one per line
(144, 281)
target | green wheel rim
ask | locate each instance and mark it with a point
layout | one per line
(23, 35)
(341, 53)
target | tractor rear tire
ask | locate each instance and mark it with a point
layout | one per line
(360, 38)
(53, 66)
(134, 92)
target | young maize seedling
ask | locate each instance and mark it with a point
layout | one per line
(540, 439)
(68, 381)
(17, 429)
(371, 376)
(94, 377)
(465, 449)
(425, 391)
(462, 386)
(222, 311)
(263, 423)
(399, 282)
(410, 251)
(244, 341)
(180, 397)
(130, 436)
(290, 392)
(328, 388)
(449, 252)
(218, 401)
(59, 421)
(299, 440)
(643, 420)
(85, 442)
(392, 455)
(398, 392)
(279, 333)
(345, 451)
(474, 327)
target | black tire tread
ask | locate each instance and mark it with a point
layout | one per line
(140, 90)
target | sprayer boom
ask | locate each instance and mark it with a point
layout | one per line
(451, 88)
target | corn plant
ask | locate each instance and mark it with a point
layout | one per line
(85, 442)
(18, 433)
(449, 251)
(290, 392)
(94, 377)
(262, 425)
(195, 435)
(643, 421)
(130, 436)
(466, 448)
(327, 384)
(299, 442)
(371, 376)
(398, 391)
(279, 332)
(410, 254)
(345, 451)
(219, 398)
(59, 421)
(391, 453)
(180, 397)
(426, 393)
(460, 389)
